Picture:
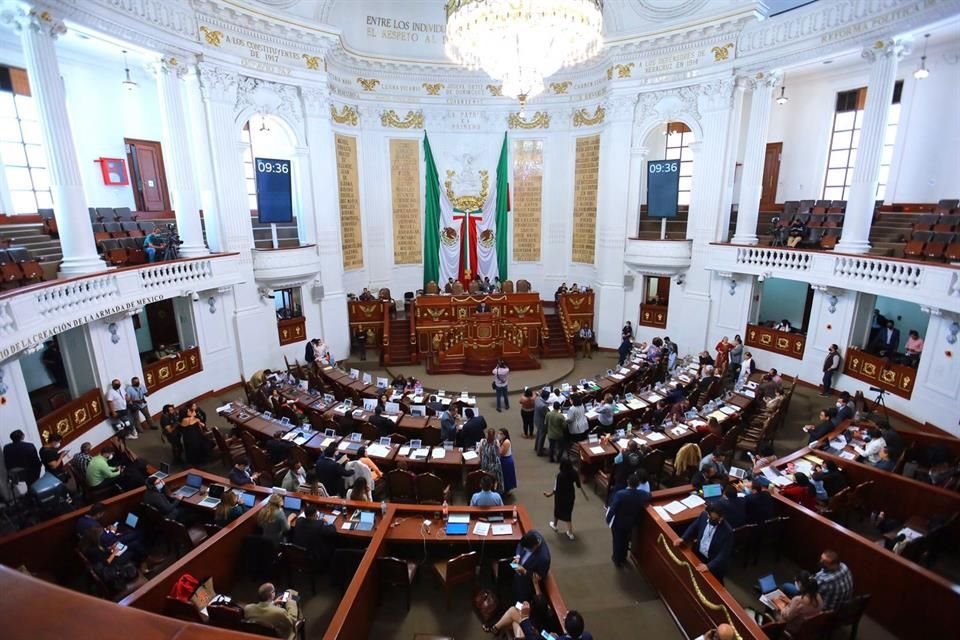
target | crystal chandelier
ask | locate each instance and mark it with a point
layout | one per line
(521, 42)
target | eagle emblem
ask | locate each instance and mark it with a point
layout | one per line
(487, 238)
(449, 236)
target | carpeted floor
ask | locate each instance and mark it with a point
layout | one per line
(615, 604)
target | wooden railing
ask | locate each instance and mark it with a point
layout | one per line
(575, 310)
(292, 330)
(653, 315)
(73, 419)
(877, 371)
(170, 369)
(783, 342)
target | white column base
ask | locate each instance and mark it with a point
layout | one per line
(81, 266)
(852, 246)
(336, 324)
(609, 311)
(745, 239)
(193, 251)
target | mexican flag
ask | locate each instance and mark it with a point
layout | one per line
(460, 244)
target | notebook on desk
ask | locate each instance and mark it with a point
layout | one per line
(457, 528)
(163, 473)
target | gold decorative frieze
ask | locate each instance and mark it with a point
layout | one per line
(348, 115)
(722, 53)
(623, 70)
(560, 87)
(433, 89)
(312, 62)
(471, 202)
(495, 90)
(212, 37)
(539, 120)
(368, 84)
(413, 120)
(582, 117)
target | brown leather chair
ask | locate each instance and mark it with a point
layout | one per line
(401, 485)
(180, 538)
(431, 288)
(182, 610)
(431, 489)
(523, 286)
(395, 573)
(457, 289)
(230, 450)
(225, 617)
(506, 286)
(459, 570)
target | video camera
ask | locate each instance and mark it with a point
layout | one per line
(171, 242)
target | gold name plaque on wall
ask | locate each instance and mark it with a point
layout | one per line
(351, 231)
(405, 193)
(527, 199)
(585, 180)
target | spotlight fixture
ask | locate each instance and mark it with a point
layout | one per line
(263, 125)
(127, 83)
(922, 72)
(782, 98)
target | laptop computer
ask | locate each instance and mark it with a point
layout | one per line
(369, 404)
(191, 488)
(767, 583)
(415, 444)
(292, 504)
(163, 473)
(392, 407)
(213, 498)
(246, 499)
(737, 472)
(366, 521)
(418, 410)
(712, 490)
(285, 421)
(328, 398)
(457, 528)
(385, 441)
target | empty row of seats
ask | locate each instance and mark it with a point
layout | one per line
(18, 267)
(109, 230)
(110, 214)
(120, 252)
(938, 223)
(928, 245)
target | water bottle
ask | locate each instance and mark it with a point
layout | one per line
(446, 509)
(383, 508)
(514, 513)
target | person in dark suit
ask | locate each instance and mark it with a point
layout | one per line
(758, 504)
(703, 385)
(315, 535)
(887, 340)
(331, 473)
(277, 448)
(473, 429)
(532, 557)
(22, 455)
(822, 428)
(623, 514)
(156, 498)
(624, 350)
(734, 507)
(310, 351)
(711, 538)
(483, 307)
(384, 426)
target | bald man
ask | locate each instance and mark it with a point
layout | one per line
(722, 632)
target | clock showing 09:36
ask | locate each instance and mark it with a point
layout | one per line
(663, 186)
(274, 193)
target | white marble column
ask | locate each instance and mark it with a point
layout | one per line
(751, 179)
(612, 212)
(38, 31)
(181, 176)
(883, 57)
(325, 218)
(729, 163)
(638, 154)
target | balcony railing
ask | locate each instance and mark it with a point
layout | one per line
(173, 368)
(30, 315)
(786, 343)
(924, 283)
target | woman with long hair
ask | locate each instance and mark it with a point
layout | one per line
(228, 510)
(803, 606)
(801, 491)
(564, 495)
(196, 445)
(506, 462)
(361, 490)
(527, 405)
(577, 424)
(490, 457)
(723, 353)
(312, 486)
(273, 521)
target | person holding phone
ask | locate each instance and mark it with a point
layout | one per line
(532, 558)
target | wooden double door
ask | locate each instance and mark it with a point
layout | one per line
(149, 181)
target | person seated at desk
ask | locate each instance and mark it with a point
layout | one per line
(330, 472)
(876, 442)
(801, 491)
(360, 469)
(315, 535)
(110, 535)
(155, 497)
(19, 454)
(705, 359)
(708, 474)
(706, 380)
(758, 503)
(365, 295)
(886, 461)
(831, 477)
(806, 604)
(273, 612)
(721, 632)
(99, 470)
(228, 510)
(240, 473)
(843, 410)
(295, 476)
(312, 486)
(767, 387)
(525, 623)
(711, 537)
(533, 558)
(448, 423)
(115, 568)
(360, 491)
(385, 426)
(718, 458)
(486, 497)
(834, 582)
(822, 428)
(783, 325)
(448, 287)
(734, 507)
(53, 459)
(277, 448)
(273, 521)
(483, 307)
(767, 456)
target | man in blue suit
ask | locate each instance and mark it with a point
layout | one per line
(532, 557)
(711, 538)
(623, 514)
(886, 342)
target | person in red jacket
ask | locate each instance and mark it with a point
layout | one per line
(801, 491)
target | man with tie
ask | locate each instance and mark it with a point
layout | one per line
(623, 514)
(483, 307)
(711, 538)
(887, 341)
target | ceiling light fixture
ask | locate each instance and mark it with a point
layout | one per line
(782, 98)
(922, 72)
(521, 42)
(127, 84)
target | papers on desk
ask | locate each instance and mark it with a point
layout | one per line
(752, 385)
(421, 453)
(378, 451)
(438, 452)
(813, 459)
(616, 376)
(663, 514)
(693, 501)
(502, 529)
(909, 534)
(327, 442)
(770, 473)
(654, 436)
(717, 415)
(679, 430)
(591, 414)
(621, 407)
(861, 451)
(839, 442)
(675, 507)
(343, 445)
(358, 413)
(696, 423)
(622, 443)
(470, 455)
(728, 410)
(775, 600)
(394, 419)
(848, 455)
(804, 467)
(782, 481)
(654, 397)
(481, 528)
(597, 450)
(417, 399)
(750, 393)
(404, 451)
(227, 408)
(637, 403)
(683, 378)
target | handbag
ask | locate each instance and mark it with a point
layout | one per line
(184, 587)
(493, 385)
(485, 604)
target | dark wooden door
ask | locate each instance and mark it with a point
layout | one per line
(163, 324)
(771, 173)
(149, 180)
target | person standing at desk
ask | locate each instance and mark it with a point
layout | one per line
(22, 455)
(331, 473)
(490, 458)
(532, 558)
(527, 405)
(623, 514)
(540, 409)
(448, 423)
(711, 538)
(361, 339)
(624, 350)
(473, 429)
(500, 373)
(483, 307)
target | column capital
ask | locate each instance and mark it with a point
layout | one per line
(38, 20)
(620, 108)
(217, 84)
(171, 65)
(895, 48)
(768, 80)
(716, 95)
